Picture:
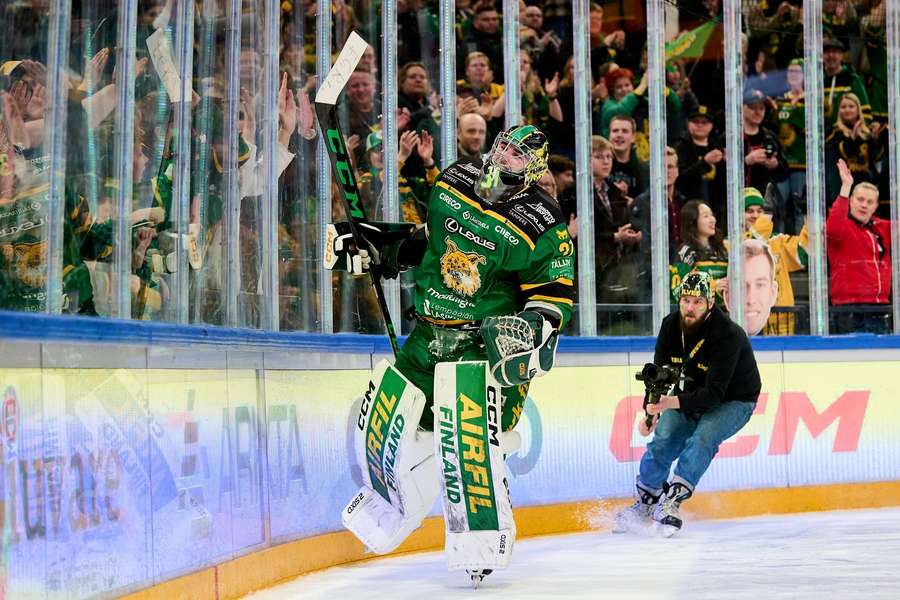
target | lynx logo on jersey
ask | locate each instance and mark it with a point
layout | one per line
(460, 269)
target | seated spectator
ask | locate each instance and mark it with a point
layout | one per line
(471, 132)
(859, 259)
(841, 79)
(764, 162)
(629, 174)
(848, 140)
(702, 248)
(701, 163)
(792, 135)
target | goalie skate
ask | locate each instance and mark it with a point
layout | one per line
(478, 576)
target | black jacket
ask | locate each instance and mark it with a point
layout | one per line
(723, 369)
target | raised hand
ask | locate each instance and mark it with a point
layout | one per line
(408, 141)
(248, 130)
(94, 70)
(551, 86)
(306, 118)
(425, 149)
(846, 178)
(287, 110)
(352, 143)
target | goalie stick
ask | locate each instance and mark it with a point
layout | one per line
(326, 99)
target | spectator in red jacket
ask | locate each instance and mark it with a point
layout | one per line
(859, 257)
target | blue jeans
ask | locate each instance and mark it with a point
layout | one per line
(692, 439)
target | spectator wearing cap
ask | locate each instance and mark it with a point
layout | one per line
(841, 79)
(859, 258)
(764, 162)
(701, 163)
(791, 118)
(788, 253)
(414, 191)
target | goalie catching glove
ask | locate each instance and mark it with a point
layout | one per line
(519, 347)
(389, 247)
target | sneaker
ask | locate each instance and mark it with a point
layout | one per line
(638, 513)
(666, 514)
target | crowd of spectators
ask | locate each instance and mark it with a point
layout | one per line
(224, 163)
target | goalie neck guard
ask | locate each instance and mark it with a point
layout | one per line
(517, 158)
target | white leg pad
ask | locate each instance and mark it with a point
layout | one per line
(468, 441)
(397, 462)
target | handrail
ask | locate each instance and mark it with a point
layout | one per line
(38, 327)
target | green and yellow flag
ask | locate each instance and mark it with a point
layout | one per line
(691, 44)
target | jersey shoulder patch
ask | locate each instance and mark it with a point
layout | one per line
(462, 175)
(532, 210)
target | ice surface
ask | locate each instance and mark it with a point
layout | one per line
(832, 556)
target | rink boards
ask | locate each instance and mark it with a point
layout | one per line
(124, 466)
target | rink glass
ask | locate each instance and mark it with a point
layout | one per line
(124, 194)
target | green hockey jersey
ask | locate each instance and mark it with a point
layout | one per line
(492, 260)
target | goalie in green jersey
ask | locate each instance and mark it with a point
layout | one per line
(494, 270)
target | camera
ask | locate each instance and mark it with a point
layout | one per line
(658, 381)
(770, 150)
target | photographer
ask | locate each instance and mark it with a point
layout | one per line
(715, 401)
(764, 161)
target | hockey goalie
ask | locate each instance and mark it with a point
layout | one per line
(494, 269)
